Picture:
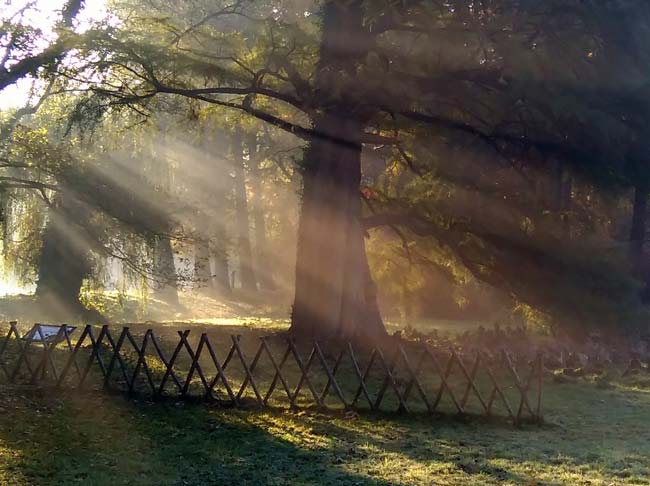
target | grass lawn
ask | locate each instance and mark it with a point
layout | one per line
(594, 436)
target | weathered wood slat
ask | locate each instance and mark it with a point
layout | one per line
(141, 362)
(330, 375)
(22, 357)
(94, 354)
(278, 372)
(220, 374)
(497, 391)
(390, 379)
(46, 357)
(408, 370)
(444, 385)
(414, 378)
(304, 377)
(470, 381)
(249, 374)
(68, 341)
(523, 389)
(170, 366)
(540, 378)
(416, 372)
(73, 357)
(116, 358)
(3, 348)
(195, 366)
(362, 378)
(168, 370)
(335, 368)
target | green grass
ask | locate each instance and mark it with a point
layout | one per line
(268, 310)
(594, 436)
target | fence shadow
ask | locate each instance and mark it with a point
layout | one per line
(96, 434)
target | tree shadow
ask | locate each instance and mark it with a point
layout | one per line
(579, 439)
(95, 439)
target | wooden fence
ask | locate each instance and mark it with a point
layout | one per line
(394, 375)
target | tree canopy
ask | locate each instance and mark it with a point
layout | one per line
(486, 144)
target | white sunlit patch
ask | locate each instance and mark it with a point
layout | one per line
(43, 15)
(12, 288)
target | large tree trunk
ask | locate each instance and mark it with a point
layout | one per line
(246, 272)
(335, 295)
(64, 261)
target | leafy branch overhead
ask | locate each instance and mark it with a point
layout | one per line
(505, 134)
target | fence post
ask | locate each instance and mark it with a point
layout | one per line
(540, 381)
(400, 372)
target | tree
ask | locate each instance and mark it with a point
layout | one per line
(65, 258)
(262, 266)
(21, 48)
(335, 294)
(246, 268)
(513, 84)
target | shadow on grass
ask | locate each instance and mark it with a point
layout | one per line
(94, 439)
(98, 439)
(592, 437)
(596, 437)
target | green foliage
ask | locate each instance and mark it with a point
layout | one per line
(493, 107)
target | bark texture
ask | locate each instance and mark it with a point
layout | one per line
(221, 276)
(202, 267)
(64, 260)
(335, 295)
(166, 288)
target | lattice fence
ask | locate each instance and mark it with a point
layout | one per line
(394, 375)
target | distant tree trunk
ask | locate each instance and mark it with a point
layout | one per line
(202, 268)
(221, 280)
(216, 282)
(262, 267)
(166, 288)
(213, 239)
(246, 272)
(335, 295)
(64, 260)
(4, 213)
(638, 232)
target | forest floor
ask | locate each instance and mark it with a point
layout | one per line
(268, 310)
(592, 436)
